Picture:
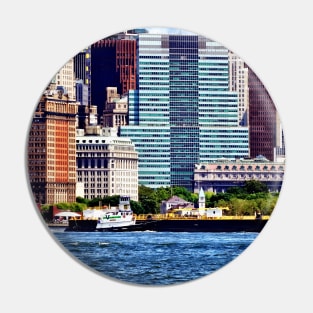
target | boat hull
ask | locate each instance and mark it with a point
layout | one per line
(172, 225)
(82, 225)
(214, 225)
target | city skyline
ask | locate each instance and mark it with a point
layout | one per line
(187, 102)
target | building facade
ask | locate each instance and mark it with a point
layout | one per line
(175, 203)
(115, 112)
(82, 71)
(65, 80)
(52, 149)
(220, 175)
(107, 165)
(113, 64)
(81, 91)
(238, 82)
(87, 115)
(263, 120)
(182, 111)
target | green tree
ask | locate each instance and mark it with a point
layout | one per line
(148, 200)
(254, 186)
(82, 200)
(162, 193)
(111, 200)
(208, 195)
(64, 206)
(46, 212)
(183, 193)
(136, 207)
(95, 202)
(236, 191)
(78, 207)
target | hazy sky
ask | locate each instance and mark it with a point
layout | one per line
(166, 30)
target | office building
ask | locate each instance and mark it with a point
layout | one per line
(113, 64)
(238, 82)
(82, 72)
(183, 111)
(107, 165)
(52, 150)
(87, 115)
(115, 111)
(65, 80)
(81, 91)
(264, 132)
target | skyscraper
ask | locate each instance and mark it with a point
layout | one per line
(52, 149)
(263, 120)
(82, 71)
(113, 65)
(182, 111)
(238, 82)
(65, 79)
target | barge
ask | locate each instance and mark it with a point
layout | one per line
(164, 223)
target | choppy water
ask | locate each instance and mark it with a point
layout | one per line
(152, 258)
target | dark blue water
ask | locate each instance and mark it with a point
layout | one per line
(152, 258)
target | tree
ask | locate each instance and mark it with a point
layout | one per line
(183, 193)
(148, 200)
(254, 186)
(162, 193)
(46, 212)
(136, 207)
(82, 200)
(236, 191)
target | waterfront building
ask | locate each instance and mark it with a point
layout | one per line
(183, 111)
(175, 203)
(107, 165)
(115, 112)
(180, 207)
(52, 149)
(222, 174)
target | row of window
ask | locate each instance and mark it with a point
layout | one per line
(247, 176)
(247, 168)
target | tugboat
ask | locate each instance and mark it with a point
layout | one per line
(105, 219)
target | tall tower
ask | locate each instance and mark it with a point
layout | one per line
(65, 78)
(238, 82)
(113, 64)
(52, 149)
(262, 119)
(82, 72)
(182, 111)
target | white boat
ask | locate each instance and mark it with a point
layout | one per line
(112, 217)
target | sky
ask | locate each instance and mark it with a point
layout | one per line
(177, 31)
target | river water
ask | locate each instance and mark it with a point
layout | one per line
(154, 258)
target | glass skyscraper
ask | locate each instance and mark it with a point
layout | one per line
(182, 111)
